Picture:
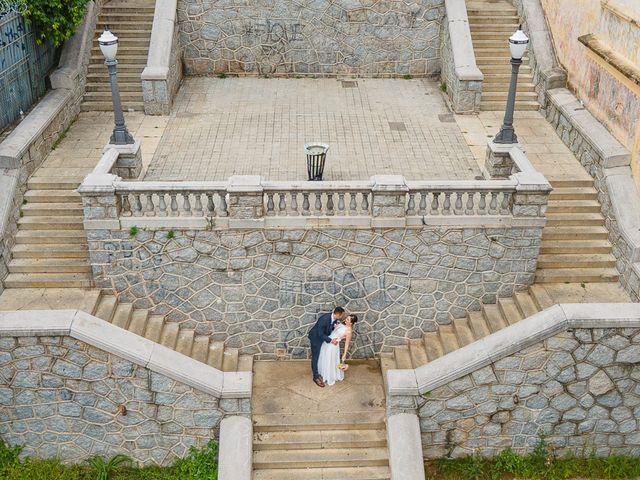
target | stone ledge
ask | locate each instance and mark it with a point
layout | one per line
(124, 344)
(611, 57)
(510, 340)
(625, 202)
(159, 57)
(8, 184)
(405, 447)
(236, 448)
(612, 152)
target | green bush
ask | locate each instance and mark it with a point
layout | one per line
(54, 20)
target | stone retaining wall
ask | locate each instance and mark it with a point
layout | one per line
(385, 38)
(260, 290)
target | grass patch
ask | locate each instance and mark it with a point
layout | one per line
(197, 465)
(62, 136)
(443, 87)
(407, 77)
(171, 234)
(222, 75)
(538, 465)
(133, 231)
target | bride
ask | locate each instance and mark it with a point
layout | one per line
(329, 361)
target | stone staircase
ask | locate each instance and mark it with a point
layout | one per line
(183, 340)
(575, 246)
(336, 433)
(51, 248)
(131, 22)
(492, 22)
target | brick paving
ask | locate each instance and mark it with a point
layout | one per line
(239, 126)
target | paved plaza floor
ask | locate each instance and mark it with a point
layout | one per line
(247, 126)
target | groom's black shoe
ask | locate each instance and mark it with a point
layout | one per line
(318, 381)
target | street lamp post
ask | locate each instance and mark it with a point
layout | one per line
(109, 46)
(517, 46)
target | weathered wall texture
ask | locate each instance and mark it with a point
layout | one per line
(613, 103)
(60, 397)
(262, 290)
(581, 389)
(387, 37)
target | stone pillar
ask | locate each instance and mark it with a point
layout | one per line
(246, 202)
(388, 205)
(129, 162)
(498, 162)
(532, 195)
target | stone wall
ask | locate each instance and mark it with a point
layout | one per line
(343, 37)
(578, 388)
(260, 290)
(63, 398)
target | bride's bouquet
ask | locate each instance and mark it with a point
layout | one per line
(343, 366)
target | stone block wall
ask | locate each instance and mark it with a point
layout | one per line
(259, 290)
(579, 388)
(343, 37)
(64, 398)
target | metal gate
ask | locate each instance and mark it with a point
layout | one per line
(23, 64)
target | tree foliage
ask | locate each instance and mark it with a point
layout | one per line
(54, 20)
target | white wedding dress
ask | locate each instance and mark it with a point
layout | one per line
(330, 357)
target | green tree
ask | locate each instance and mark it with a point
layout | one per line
(54, 20)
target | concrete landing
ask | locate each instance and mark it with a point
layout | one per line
(49, 299)
(586, 293)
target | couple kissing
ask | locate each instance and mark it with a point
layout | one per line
(325, 337)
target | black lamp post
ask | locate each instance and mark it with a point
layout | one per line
(109, 46)
(517, 46)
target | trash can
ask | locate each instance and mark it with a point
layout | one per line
(316, 156)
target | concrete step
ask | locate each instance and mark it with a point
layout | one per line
(169, 335)
(573, 206)
(122, 68)
(49, 265)
(216, 355)
(50, 251)
(448, 338)
(387, 363)
(494, 318)
(134, 8)
(418, 353)
(490, 37)
(302, 440)
(479, 24)
(47, 280)
(51, 223)
(124, 59)
(115, 17)
(125, 97)
(94, 78)
(275, 422)
(230, 360)
(504, 88)
(138, 322)
(107, 107)
(504, 69)
(463, 331)
(569, 247)
(577, 275)
(126, 34)
(578, 219)
(433, 345)
(48, 183)
(125, 87)
(525, 303)
(200, 348)
(184, 343)
(509, 310)
(571, 183)
(478, 325)
(402, 357)
(107, 307)
(245, 363)
(490, 20)
(319, 458)
(575, 233)
(485, 8)
(52, 196)
(500, 106)
(540, 297)
(52, 209)
(573, 193)
(154, 328)
(502, 95)
(50, 237)
(330, 473)
(577, 260)
(122, 315)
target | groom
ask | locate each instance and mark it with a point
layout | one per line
(318, 335)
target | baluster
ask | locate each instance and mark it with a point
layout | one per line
(270, 205)
(341, 204)
(282, 204)
(483, 203)
(174, 205)
(435, 204)
(198, 209)
(318, 205)
(149, 208)
(493, 203)
(469, 209)
(411, 206)
(211, 207)
(330, 210)
(353, 203)
(126, 206)
(186, 204)
(294, 203)
(506, 203)
(162, 205)
(365, 203)
(447, 204)
(137, 205)
(223, 204)
(422, 207)
(305, 203)
(458, 208)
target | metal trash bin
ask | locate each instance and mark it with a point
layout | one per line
(316, 156)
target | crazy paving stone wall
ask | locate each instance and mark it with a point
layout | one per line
(262, 290)
(580, 389)
(62, 398)
(359, 37)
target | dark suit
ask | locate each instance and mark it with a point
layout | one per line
(318, 335)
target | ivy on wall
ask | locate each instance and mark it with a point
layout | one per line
(53, 20)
